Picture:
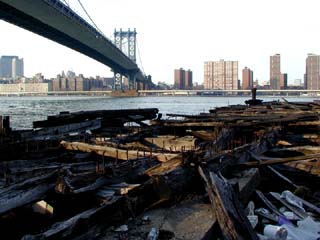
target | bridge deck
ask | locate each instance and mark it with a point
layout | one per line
(55, 21)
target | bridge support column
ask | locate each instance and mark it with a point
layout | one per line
(132, 81)
(140, 86)
(117, 81)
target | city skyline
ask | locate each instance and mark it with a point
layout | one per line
(169, 42)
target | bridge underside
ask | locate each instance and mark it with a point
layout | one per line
(40, 18)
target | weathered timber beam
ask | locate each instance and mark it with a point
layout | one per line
(137, 119)
(164, 167)
(194, 124)
(301, 214)
(59, 131)
(158, 189)
(66, 117)
(266, 161)
(269, 204)
(228, 210)
(221, 142)
(116, 153)
(62, 230)
(305, 123)
(205, 135)
(247, 183)
(143, 133)
(63, 186)
(19, 173)
(171, 143)
(240, 154)
(20, 198)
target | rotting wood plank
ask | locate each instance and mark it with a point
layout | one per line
(142, 133)
(164, 167)
(289, 184)
(305, 123)
(116, 153)
(66, 228)
(18, 173)
(60, 131)
(310, 166)
(205, 135)
(269, 204)
(193, 124)
(279, 117)
(301, 214)
(311, 206)
(247, 183)
(163, 144)
(64, 186)
(266, 161)
(175, 144)
(19, 198)
(116, 209)
(228, 211)
(27, 183)
(67, 117)
(24, 193)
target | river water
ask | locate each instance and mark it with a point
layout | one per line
(24, 110)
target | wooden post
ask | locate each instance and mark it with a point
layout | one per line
(1, 125)
(104, 165)
(117, 155)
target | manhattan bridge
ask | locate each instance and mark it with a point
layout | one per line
(57, 20)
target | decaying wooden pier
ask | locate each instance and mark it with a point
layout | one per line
(133, 174)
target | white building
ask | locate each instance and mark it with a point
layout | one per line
(221, 75)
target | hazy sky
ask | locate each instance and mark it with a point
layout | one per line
(185, 33)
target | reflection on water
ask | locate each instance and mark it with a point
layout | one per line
(24, 110)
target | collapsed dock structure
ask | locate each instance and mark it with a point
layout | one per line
(234, 172)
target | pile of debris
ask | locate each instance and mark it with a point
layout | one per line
(237, 172)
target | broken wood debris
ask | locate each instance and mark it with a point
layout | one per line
(99, 169)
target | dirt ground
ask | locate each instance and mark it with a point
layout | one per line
(188, 220)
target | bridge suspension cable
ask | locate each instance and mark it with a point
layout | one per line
(65, 2)
(94, 24)
(140, 61)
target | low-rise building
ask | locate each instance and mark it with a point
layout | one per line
(24, 87)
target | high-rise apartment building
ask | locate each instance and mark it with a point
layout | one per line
(182, 79)
(275, 71)
(247, 79)
(188, 80)
(11, 67)
(312, 76)
(179, 75)
(6, 66)
(283, 81)
(17, 67)
(221, 75)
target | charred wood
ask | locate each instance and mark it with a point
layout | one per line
(228, 210)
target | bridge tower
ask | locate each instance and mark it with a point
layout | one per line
(126, 41)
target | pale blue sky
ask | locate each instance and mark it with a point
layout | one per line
(185, 33)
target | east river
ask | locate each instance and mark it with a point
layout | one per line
(24, 110)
